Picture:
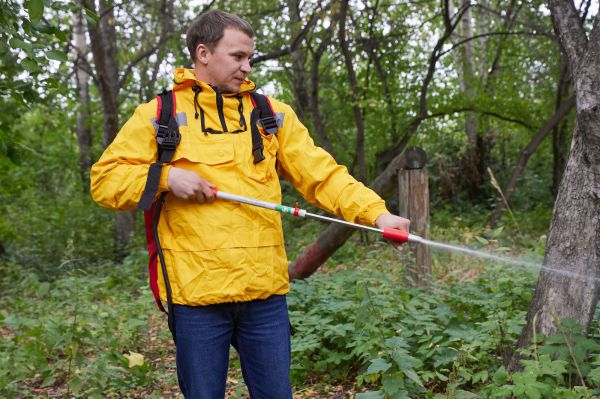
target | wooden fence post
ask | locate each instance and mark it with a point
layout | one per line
(413, 188)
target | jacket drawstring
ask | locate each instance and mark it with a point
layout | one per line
(198, 112)
(241, 110)
(197, 89)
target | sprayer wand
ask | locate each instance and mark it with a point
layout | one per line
(389, 233)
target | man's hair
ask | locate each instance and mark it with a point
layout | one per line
(209, 28)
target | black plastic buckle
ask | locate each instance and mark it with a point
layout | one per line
(269, 124)
(167, 138)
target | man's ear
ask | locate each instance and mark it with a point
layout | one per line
(202, 54)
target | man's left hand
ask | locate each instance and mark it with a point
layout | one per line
(387, 220)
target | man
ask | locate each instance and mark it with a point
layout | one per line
(225, 261)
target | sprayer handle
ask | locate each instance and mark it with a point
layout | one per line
(395, 234)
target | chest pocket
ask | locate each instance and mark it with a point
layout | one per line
(207, 152)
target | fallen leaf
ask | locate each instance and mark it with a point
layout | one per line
(135, 359)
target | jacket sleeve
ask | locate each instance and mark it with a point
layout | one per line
(119, 177)
(319, 179)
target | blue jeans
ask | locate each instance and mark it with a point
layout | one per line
(259, 330)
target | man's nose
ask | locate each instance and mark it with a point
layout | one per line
(246, 67)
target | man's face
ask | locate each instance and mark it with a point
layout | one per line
(227, 65)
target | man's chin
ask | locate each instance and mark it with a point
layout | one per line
(232, 88)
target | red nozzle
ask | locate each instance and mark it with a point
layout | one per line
(214, 191)
(395, 234)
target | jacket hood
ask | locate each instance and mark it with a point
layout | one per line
(184, 78)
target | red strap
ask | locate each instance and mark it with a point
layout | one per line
(152, 256)
(158, 108)
(174, 108)
(268, 102)
(270, 106)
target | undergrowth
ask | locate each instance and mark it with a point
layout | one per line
(94, 332)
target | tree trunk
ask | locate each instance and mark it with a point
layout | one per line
(569, 282)
(298, 57)
(560, 150)
(315, 112)
(104, 50)
(358, 118)
(166, 31)
(474, 158)
(103, 40)
(84, 131)
(466, 78)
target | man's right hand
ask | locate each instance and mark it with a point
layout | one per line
(188, 185)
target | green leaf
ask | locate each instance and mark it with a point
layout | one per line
(461, 394)
(482, 240)
(392, 383)
(17, 43)
(594, 376)
(480, 376)
(378, 365)
(441, 376)
(536, 389)
(30, 65)
(57, 55)
(413, 376)
(60, 35)
(497, 232)
(500, 376)
(91, 17)
(35, 8)
(405, 361)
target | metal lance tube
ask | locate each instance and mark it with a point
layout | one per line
(388, 233)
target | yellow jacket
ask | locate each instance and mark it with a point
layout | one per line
(224, 251)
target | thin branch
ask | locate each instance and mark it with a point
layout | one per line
(526, 153)
(83, 63)
(468, 39)
(142, 57)
(527, 24)
(289, 48)
(435, 56)
(585, 11)
(471, 109)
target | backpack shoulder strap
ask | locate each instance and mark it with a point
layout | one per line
(262, 113)
(267, 115)
(167, 139)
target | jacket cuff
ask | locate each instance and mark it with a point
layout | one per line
(374, 212)
(164, 173)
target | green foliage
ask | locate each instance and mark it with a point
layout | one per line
(76, 331)
(565, 365)
(405, 339)
(33, 43)
(46, 210)
(358, 325)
